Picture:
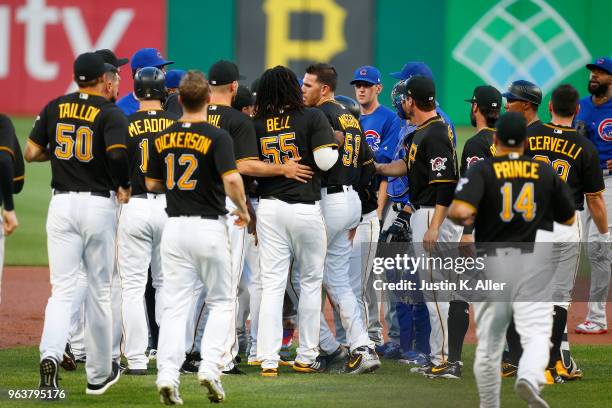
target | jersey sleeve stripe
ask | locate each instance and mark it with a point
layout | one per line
(36, 144)
(570, 221)
(6, 149)
(442, 181)
(325, 145)
(247, 158)
(19, 178)
(368, 162)
(116, 146)
(154, 179)
(595, 193)
(466, 203)
(227, 173)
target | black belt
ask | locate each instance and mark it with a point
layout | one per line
(93, 193)
(335, 188)
(288, 201)
(143, 195)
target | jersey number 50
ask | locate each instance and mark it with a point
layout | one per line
(279, 149)
(79, 147)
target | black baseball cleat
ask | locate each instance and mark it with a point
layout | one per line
(68, 362)
(450, 370)
(508, 370)
(317, 366)
(49, 384)
(191, 365)
(99, 389)
(422, 368)
(338, 356)
(234, 371)
(136, 371)
(362, 360)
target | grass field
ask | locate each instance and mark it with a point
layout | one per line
(391, 386)
(28, 245)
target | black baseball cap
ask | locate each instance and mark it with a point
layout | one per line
(223, 73)
(89, 66)
(421, 89)
(511, 129)
(243, 98)
(111, 58)
(486, 96)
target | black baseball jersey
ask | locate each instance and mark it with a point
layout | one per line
(513, 197)
(477, 147)
(574, 158)
(78, 129)
(431, 159)
(292, 135)
(239, 126)
(191, 158)
(353, 154)
(144, 126)
(10, 144)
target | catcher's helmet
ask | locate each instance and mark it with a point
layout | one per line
(150, 83)
(398, 93)
(524, 91)
(349, 103)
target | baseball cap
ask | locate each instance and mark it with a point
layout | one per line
(511, 128)
(367, 74)
(254, 86)
(421, 88)
(412, 69)
(148, 57)
(89, 66)
(486, 96)
(243, 98)
(522, 90)
(173, 77)
(603, 63)
(110, 58)
(223, 72)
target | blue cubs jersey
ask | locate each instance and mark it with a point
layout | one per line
(128, 104)
(398, 187)
(598, 124)
(381, 130)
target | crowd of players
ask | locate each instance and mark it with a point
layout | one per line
(295, 166)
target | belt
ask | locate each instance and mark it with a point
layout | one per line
(204, 217)
(91, 193)
(337, 188)
(287, 201)
(496, 251)
(146, 195)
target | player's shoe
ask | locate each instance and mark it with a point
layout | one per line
(169, 395)
(191, 365)
(255, 363)
(68, 362)
(552, 377)
(450, 370)
(393, 352)
(99, 389)
(136, 371)
(287, 339)
(508, 370)
(338, 356)
(362, 360)
(151, 354)
(234, 371)
(382, 348)
(413, 358)
(214, 387)
(317, 366)
(269, 372)
(529, 393)
(422, 368)
(49, 384)
(591, 328)
(569, 374)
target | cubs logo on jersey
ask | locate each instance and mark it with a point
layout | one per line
(372, 139)
(437, 163)
(605, 129)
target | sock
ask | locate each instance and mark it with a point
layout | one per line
(559, 322)
(515, 350)
(458, 322)
(422, 328)
(406, 325)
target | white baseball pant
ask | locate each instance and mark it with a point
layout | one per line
(287, 231)
(140, 229)
(1, 254)
(195, 249)
(81, 228)
(77, 315)
(438, 311)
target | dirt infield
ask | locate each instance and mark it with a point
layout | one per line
(25, 292)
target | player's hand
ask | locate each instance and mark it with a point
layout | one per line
(430, 239)
(124, 194)
(351, 234)
(339, 136)
(10, 222)
(296, 171)
(609, 164)
(467, 248)
(243, 218)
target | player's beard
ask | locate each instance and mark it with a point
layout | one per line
(472, 119)
(598, 89)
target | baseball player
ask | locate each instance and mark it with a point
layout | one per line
(144, 57)
(432, 169)
(194, 163)
(289, 219)
(508, 198)
(338, 199)
(485, 108)
(523, 97)
(575, 159)
(173, 79)
(142, 220)
(595, 119)
(12, 177)
(244, 101)
(83, 134)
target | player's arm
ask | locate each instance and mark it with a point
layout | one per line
(6, 192)
(597, 209)
(290, 169)
(115, 137)
(564, 211)
(155, 171)
(468, 194)
(9, 142)
(324, 145)
(396, 168)
(593, 188)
